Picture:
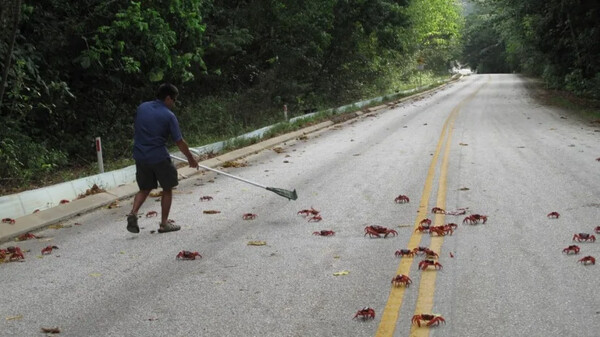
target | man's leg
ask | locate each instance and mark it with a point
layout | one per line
(165, 204)
(132, 219)
(139, 199)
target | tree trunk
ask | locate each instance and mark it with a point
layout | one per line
(16, 13)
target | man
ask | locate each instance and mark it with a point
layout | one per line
(154, 122)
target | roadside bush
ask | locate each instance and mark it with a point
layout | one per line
(22, 160)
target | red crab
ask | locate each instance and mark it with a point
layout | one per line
(324, 233)
(423, 228)
(365, 313)
(431, 319)
(597, 230)
(9, 221)
(571, 249)
(448, 230)
(405, 252)
(425, 222)
(439, 230)
(151, 214)
(249, 216)
(48, 250)
(474, 219)
(206, 198)
(588, 260)
(420, 250)
(430, 253)
(451, 225)
(401, 280)
(315, 218)
(401, 199)
(377, 230)
(584, 237)
(187, 255)
(64, 201)
(426, 263)
(437, 210)
(307, 212)
(16, 253)
(26, 236)
(554, 215)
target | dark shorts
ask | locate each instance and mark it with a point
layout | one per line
(147, 175)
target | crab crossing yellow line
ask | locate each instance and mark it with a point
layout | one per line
(394, 303)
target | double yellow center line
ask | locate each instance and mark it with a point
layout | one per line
(424, 303)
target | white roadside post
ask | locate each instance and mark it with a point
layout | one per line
(99, 153)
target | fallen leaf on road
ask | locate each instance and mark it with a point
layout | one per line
(341, 273)
(12, 318)
(336, 256)
(404, 226)
(234, 164)
(278, 149)
(58, 226)
(95, 274)
(51, 330)
(114, 204)
(211, 212)
(156, 194)
(463, 189)
(257, 243)
(463, 144)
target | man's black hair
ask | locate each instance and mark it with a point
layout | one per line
(167, 89)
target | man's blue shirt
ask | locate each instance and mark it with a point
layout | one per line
(154, 122)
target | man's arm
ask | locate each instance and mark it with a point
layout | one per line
(185, 149)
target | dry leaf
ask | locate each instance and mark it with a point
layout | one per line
(58, 226)
(114, 204)
(156, 194)
(51, 330)
(278, 149)
(211, 212)
(404, 226)
(463, 144)
(341, 273)
(95, 274)
(464, 189)
(12, 318)
(234, 164)
(257, 243)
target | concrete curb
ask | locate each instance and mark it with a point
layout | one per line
(39, 220)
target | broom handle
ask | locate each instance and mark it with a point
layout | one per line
(221, 172)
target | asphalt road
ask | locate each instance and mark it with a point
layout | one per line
(481, 143)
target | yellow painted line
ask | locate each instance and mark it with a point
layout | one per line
(427, 281)
(391, 311)
(424, 303)
(389, 317)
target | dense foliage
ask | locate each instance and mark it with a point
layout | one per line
(75, 70)
(554, 39)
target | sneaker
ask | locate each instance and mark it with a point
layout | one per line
(132, 225)
(168, 227)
